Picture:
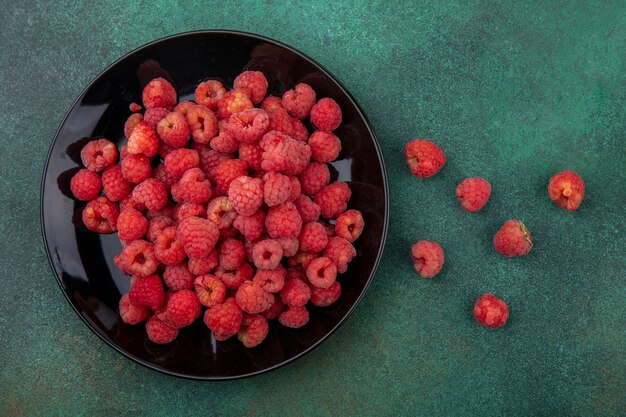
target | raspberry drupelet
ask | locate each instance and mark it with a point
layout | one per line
(513, 239)
(86, 185)
(490, 311)
(566, 189)
(428, 258)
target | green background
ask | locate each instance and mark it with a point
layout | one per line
(512, 91)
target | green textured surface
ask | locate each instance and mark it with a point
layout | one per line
(512, 93)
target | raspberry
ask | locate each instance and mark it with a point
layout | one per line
(100, 215)
(131, 225)
(159, 332)
(186, 210)
(325, 147)
(224, 319)
(349, 225)
(131, 314)
(183, 308)
(167, 210)
(137, 259)
(309, 211)
(267, 254)
(157, 225)
(159, 93)
(567, 190)
(155, 115)
(294, 317)
(178, 277)
(314, 177)
(473, 193)
(271, 280)
(253, 299)
(280, 121)
(235, 101)
(300, 132)
(246, 195)
(299, 101)
(132, 121)
(340, 251)
(428, 258)
(326, 115)
(253, 330)
(276, 188)
(251, 154)
(248, 126)
(198, 236)
(167, 248)
(143, 140)
(323, 297)
(275, 309)
(209, 93)
(513, 239)
(180, 160)
(424, 158)
(152, 193)
(251, 227)
(302, 259)
(221, 212)
(233, 280)
(134, 107)
(271, 102)
(490, 311)
(183, 108)
(204, 265)
(209, 159)
(295, 292)
(313, 238)
(147, 291)
(227, 171)
(114, 184)
(296, 189)
(129, 201)
(290, 245)
(283, 221)
(333, 199)
(225, 142)
(86, 185)
(321, 272)
(136, 168)
(232, 254)
(174, 130)
(202, 123)
(193, 187)
(253, 81)
(209, 290)
(98, 154)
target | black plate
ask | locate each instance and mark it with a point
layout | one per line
(82, 261)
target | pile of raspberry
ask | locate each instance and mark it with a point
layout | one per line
(224, 206)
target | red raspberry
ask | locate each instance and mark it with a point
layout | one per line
(326, 115)
(309, 211)
(232, 254)
(248, 126)
(98, 154)
(234, 101)
(164, 150)
(221, 212)
(114, 184)
(490, 311)
(188, 209)
(131, 314)
(157, 225)
(513, 239)
(246, 195)
(349, 225)
(100, 215)
(267, 254)
(202, 123)
(341, 252)
(209, 93)
(152, 193)
(299, 101)
(325, 147)
(473, 193)
(134, 107)
(155, 115)
(294, 317)
(323, 297)
(253, 299)
(295, 292)
(159, 93)
(198, 236)
(209, 290)
(224, 142)
(137, 258)
(251, 227)
(253, 81)
(271, 280)
(313, 238)
(275, 309)
(174, 130)
(167, 210)
(314, 177)
(178, 277)
(251, 154)
(333, 199)
(136, 168)
(233, 280)
(428, 258)
(290, 245)
(143, 140)
(300, 132)
(201, 266)
(321, 272)
(276, 188)
(566, 189)
(193, 187)
(183, 108)
(180, 160)
(424, 158)
(209, 159)
(86, 185)
(147, 291)
(296, 189)
(253, 330)
(167, 248)
(129, 201)
(280, 121)
(161, 174)
(132, 121)
(283, 221)
(183, 308)
(224, 319)
(159, 332)
(271, 102)
(131, 225)
(227, 171)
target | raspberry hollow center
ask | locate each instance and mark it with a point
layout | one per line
(140, 259)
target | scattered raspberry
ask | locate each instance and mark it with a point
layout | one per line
(299, 101)
(167, 248)
(209, 290)
(567, 190)
(227, 171)
(309, 211)
(321, 272)
(100, 215)
(251, 154)
(134, 107)
(198, 236)
(136, 168)
(271, 280)
(325, 147)
(202, 123)
(349, 225)
(131, 314)
(143, 140)
(235, 101)
(341, 252)
(251, 227)
(152, 193)
(183, 108)
(232, 254)
(300, 132)
(294, 317)
(193, 187)
(224, 319)
(253, 330)
(147, 291)
(271, 102)
(283, 221)
(225, 142)
(180, 160)
(314, 177)
(280, 121)
(174, 130)
(424, 158)
(159, 332)
(248, 126)
(98, 154)
(513, 239)
(183, 308)
(132, 121)
(233, 280)
(326, 115)
(159, 93)
(201, 266)
(114, 185)
(131, 225)
(428, 258)
(253, 299)
(267, 254)
(323, 297)
(491, 311)
(221, 212)
(86, 185)
(313, 238)
(276, 188)
(295, 292)
(275, 309)
(254, 82)
(209, 93)
(333, 199)
(473, 193)
(178, 277)
(290, 245)
(155, 115)
(246, 195)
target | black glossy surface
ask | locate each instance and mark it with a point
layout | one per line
(83, 261)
